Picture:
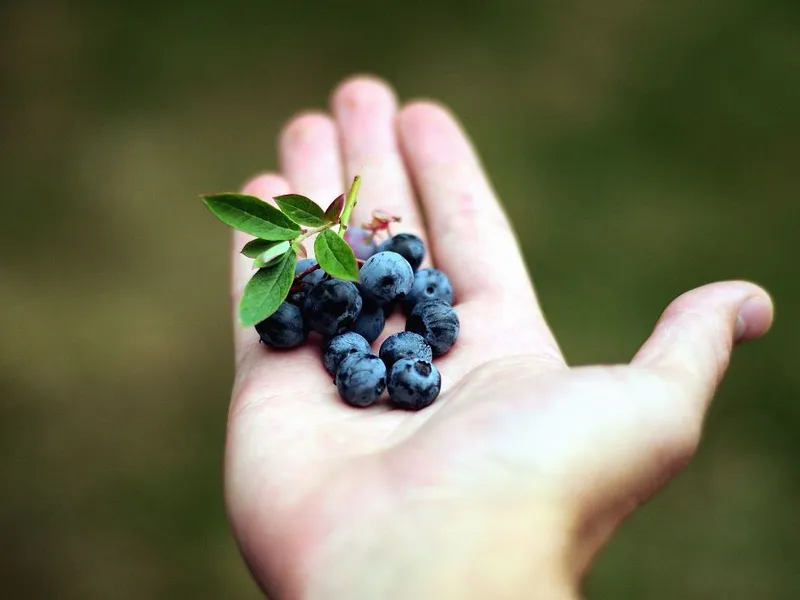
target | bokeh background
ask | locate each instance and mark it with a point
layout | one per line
(641, 147)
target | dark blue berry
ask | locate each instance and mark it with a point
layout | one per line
(284, 328)
(436, 322)
(386, 276)
(303, 265)
(404, 344)
(414, 384)
(361, 241)
(429, 284)
(407, 245)
(332, 306)
(370, 321)
(341, 346)
(361, 379)
(307, 282)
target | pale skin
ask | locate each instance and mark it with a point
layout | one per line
(509, 485)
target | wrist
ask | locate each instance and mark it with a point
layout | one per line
(503, 552)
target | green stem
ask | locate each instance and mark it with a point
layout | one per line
(311, 232)
(349, 204)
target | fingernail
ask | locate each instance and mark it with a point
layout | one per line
(754, 319)
(741, 328)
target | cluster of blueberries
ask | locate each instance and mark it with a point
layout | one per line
(351, 316)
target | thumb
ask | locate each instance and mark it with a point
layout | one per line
(693, 340)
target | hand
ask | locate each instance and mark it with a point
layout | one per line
(512, 481)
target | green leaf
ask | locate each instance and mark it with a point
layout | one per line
(271, 254)
(251, 215)
(335, 256)
(301, 210)
(255, 247)
(267, 289)
(334, 210)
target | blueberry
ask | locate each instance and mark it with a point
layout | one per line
(361, 379)
(284, 328)
(370, 321)
(386, 276)
(341, 346)
(307, 282)
(429, 284)
(407, 245)
(361, 241)
(414, 384)
(332, 306)
(404, 344)
(303, 264)
(437, 322)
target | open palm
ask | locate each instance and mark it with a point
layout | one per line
(312, 483)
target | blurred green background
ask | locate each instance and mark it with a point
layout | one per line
(641, 148)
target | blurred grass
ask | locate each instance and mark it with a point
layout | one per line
(641, 147)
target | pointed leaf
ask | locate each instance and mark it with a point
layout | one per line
(334, 211)
(271, 255)
(251, 215)
(253, 248)
(268, 288)
(301, 210)
(335, 256)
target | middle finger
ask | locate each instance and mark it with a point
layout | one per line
(365, 109)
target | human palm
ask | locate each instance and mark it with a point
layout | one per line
(516, 440)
